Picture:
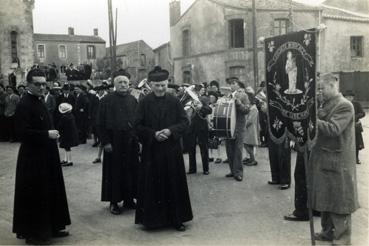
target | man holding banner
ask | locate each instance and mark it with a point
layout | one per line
(332, 160)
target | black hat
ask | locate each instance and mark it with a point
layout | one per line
(158, 74)
(262, 84)
(214, 82)
(231, 79)
(120, 72)
(66, 87)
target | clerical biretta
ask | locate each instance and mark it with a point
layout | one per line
(163, 197)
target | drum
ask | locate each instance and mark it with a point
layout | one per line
(225, 119)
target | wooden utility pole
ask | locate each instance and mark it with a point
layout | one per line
(290, 18)
(112, 36)
(255, 45)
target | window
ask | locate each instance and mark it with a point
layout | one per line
(280, 26)
(186, 42)
(125, 61)
(356, 46)
(62, 52)
(239, 72)
(14, 44)
(187, 77)
(143, 60)
(236, 33)
(41, 51)
(91, 52)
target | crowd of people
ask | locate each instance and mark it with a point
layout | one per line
(141, 140)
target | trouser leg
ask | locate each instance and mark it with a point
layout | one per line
(204, 150)
(273, 161)
(192, 152)
(230, 152)
(237, 157)
(301, 209)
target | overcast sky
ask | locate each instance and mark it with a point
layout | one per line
(137, 19)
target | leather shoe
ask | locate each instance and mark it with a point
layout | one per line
(61, 234)
(180, 227)
(67, 164)
(218, 160)
(284, 187)
(251, 163)
(20, 236)
(211, 159)
(206, 173)
(238, 178)
(191, 172)
(97, 160)
(226, 161)
(292, 217)
(115, 209)
(229, 175)
(322, 237)
(272, 182)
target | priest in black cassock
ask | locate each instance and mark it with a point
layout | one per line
(115, 125)
(163, 197)
(40, 202)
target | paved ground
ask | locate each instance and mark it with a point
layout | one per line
(226, 212)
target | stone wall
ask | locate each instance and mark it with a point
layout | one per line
(16, 15)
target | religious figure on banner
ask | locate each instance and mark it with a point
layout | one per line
(290, 76)
(291, 70)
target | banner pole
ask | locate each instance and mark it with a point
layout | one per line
(308, 189)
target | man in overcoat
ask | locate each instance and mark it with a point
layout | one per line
(40, 202)
(332, 159)
(163, 197)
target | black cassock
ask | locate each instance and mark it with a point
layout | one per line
(115, 124)
(40, 202)
(163, 197)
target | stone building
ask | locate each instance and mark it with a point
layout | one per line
(16, 40)
(212, 46)
(163, 58)
(136, 57)
(64, 49)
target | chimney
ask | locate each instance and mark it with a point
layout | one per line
(70, 31)
(174, 11)
(96, 32)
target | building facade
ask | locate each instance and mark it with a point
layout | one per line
(62, 50)
(16, 40)
(163, 58)
(215, 46)
(136, 57)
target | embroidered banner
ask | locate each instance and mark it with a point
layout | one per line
(290, 62)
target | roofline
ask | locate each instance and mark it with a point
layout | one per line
(315, 8)
(337, 17)
(132, 42)
(346, 11)
(42, 37)
(161, 46)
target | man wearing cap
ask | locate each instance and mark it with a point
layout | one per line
(115, 125)
(163, 198)
(234, 146)
(332, 160)
(40, 202)
(81, 111)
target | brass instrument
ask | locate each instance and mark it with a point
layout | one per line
(144, 86)
(191, 102)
